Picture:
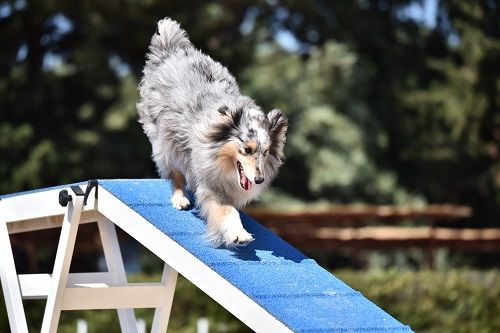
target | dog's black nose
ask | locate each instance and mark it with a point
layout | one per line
(259, 180)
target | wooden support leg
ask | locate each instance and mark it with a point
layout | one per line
(10, 284)
(114, 261)
(162, 313)
(62, 264)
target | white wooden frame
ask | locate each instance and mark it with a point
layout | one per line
(10, 285)
(107, 290)
(184, 262)
(74, 291)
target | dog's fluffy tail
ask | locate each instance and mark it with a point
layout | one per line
(168, 37)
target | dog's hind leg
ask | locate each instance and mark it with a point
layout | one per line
(179, 199)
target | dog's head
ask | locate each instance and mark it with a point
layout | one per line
(250, 144)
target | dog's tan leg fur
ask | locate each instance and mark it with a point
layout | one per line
(179, 200)
(224, 224)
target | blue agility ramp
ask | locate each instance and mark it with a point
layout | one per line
(269, 285)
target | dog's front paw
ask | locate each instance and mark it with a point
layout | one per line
(237, 237)
(228, 230)
(179, 201)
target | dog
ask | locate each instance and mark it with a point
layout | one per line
(206, 135)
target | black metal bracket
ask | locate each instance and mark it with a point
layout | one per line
(65, 197)
(77, 190)
(90, 185)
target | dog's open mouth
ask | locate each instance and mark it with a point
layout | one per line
(245, 183)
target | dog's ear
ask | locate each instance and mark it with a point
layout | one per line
(232, 117)
(223, 110)
(278, 124)
(227, 124)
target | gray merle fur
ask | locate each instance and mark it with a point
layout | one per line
(190, 106)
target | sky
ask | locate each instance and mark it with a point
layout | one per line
(423, 12)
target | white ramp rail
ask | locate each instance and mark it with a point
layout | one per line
(268, 285)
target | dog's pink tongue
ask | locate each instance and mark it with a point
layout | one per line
(246, 183)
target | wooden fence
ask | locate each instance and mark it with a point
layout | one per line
(379, 227)
(339, 227)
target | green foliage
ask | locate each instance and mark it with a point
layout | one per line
(332, 134)
(431, 91)
(451, 138)
(383, 108)
(429, 301)
(68, 77)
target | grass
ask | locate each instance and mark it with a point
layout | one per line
(428, 301)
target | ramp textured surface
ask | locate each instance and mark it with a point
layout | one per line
(278, 277)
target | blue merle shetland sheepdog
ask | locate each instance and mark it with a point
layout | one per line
(205, 134)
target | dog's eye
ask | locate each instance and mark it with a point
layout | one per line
(248, 150)
(265, 153)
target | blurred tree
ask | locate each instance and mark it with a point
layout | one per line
(68, 76)
(432, 89)
(385, 105)
(331, 128)
(454, 139)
